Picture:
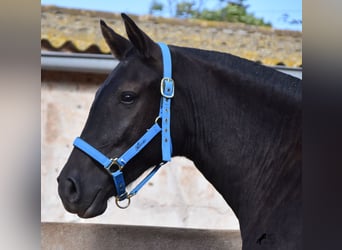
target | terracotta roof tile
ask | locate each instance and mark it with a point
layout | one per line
(79, 31)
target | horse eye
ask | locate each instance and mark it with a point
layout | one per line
(128, 97)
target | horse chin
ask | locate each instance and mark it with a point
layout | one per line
(96, 207)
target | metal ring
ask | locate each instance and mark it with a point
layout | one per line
(114, 162)
(156, 120)
(117, 200)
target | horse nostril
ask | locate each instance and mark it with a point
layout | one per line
(72, 190)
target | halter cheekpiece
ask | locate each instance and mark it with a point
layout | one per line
(167, 88)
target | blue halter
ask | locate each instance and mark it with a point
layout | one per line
(167, 92)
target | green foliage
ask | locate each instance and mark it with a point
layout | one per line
(156, 7)
(185, 9)
(232, 12)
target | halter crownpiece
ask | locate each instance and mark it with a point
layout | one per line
(167, 88)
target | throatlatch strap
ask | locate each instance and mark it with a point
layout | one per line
(145, 180)
(167, 63)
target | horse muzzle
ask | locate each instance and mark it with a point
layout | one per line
(84, 203)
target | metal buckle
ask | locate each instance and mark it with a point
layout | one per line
(162, 86)
(114, 162)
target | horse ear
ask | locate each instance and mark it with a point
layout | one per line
(117, 44)
(142, 42)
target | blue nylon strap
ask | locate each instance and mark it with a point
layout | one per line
(145, 180)
(106, 162)
(166, 137)
(128, 155)
(120, 184)
(167, 63)
(92, 152)
(118, 179)
(167, 92)
(139, 145)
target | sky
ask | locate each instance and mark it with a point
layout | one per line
(271, 11)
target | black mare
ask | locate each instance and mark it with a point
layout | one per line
(239, 122)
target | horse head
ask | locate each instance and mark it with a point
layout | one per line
(125, 106)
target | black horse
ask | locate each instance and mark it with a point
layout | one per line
(238, 121)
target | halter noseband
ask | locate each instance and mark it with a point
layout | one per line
(167, 92)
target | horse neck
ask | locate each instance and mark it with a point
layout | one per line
(243, 134)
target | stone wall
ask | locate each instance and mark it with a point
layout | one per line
(79, 31)
(178, 196)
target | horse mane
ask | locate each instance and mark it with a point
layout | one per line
(248, 72)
